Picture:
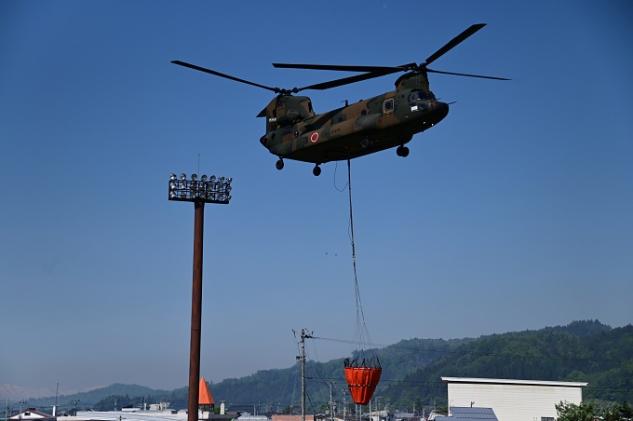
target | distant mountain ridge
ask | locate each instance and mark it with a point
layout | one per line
(583, 350)
(412, 369)
(91, 397)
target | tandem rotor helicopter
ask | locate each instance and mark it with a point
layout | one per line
(295, 131)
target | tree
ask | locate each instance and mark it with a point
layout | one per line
(588, 412)
(572, 412)
(619, 412)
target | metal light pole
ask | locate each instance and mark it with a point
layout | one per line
(204, 190)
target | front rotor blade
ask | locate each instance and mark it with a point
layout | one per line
(467, 75)
(454, 42)
(348, 80)
(213, 72)
(345, 68)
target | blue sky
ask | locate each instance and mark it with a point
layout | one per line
(513, 213)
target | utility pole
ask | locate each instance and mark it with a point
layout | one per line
(331, 403)
(301, 358)
(75, 405)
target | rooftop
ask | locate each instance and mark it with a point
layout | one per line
(512, 381)
(468, 414)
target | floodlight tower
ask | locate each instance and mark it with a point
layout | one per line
(205, 190)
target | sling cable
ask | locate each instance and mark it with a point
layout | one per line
(362, 373)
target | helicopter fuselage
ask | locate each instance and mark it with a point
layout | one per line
(358, 129)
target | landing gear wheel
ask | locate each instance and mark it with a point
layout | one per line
(316, 170)
(402, 151)
(279, 164)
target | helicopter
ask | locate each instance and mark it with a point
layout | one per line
(294, 131)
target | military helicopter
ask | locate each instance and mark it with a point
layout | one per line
(295, 131)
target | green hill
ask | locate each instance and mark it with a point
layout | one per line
(583, 351)
(281, 387)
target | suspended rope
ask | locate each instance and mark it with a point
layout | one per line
(336, 187)
(361, 324)
(362, 374)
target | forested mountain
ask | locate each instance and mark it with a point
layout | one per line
(583, 351)
(412, 369)
(279, 388)
(282, 386)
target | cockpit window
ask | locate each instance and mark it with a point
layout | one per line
(388, 106)
(416, 96)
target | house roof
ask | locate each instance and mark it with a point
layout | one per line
(512, 381)
(31, 411)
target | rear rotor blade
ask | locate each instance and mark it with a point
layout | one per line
(348, 80)
(213, 72)
(454, 42)
(466, 74)
(345, 68)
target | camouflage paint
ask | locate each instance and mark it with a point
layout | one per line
(368, 126)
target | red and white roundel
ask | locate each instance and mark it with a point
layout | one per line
(314, 137)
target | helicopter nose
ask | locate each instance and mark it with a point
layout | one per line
(437, 111)
(441, 110)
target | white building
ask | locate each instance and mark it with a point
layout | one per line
(513, 400)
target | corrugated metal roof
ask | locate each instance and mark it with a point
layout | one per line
(474, 413)
(468, 414)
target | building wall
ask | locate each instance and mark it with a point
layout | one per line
(513, 402)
